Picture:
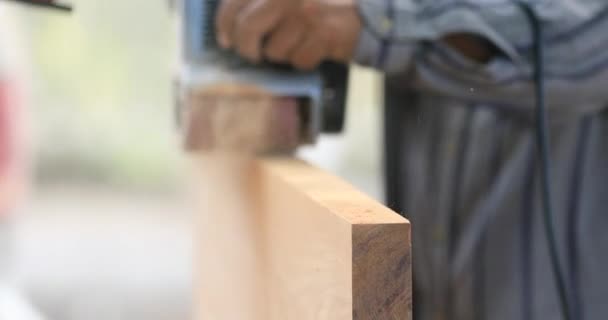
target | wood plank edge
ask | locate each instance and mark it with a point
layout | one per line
(331, 192)
(382, 272)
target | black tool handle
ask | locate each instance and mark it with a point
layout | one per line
(335, 90)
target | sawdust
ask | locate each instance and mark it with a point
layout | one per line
(240, 118)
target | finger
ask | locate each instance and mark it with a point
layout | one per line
(310, 54)
(284, 40)
(226, 19)
(253, 24)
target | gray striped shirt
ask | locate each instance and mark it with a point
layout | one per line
(462, 153)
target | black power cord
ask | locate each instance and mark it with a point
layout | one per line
(45, 4)
(542, 140)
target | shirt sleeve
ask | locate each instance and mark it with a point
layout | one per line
(401, 37)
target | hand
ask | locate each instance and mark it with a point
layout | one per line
(318, 30)
(473, 47)
(305, 34)
(243, 24)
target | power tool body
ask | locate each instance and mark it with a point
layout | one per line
(219, 93)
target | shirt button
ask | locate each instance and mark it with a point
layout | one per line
(439, 315)
(439, 234)
(386, 25)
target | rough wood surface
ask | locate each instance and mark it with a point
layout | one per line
(239, 118)
(281, 240)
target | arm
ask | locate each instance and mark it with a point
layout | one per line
(482, 52)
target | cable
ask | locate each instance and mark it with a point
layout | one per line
(45, 4)
(542, 139)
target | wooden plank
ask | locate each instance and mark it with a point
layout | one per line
(279, 239)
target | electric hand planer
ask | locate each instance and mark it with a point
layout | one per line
(225, 102)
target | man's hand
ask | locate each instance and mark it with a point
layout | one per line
(243, 24)
(318, 30)
(300, 32)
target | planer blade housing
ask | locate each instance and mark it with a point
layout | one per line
(320, 95)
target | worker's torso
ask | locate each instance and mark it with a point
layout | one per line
(468, 181)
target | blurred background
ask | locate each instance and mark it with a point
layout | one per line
(104, 232)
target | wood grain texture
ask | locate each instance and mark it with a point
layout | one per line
(281, 240)
(239, 118)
